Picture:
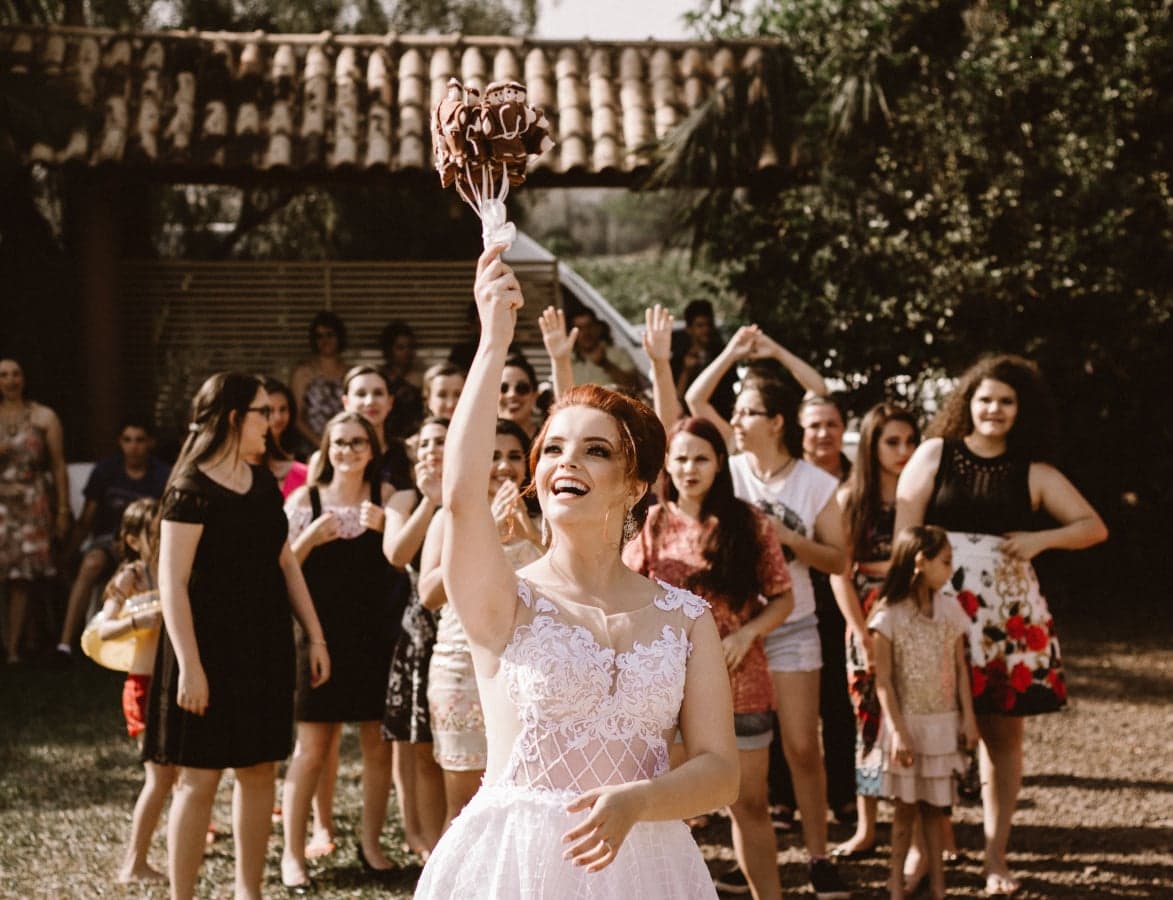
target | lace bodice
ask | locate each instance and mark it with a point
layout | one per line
(593, 709)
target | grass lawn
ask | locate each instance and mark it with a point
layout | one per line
(1095, 818)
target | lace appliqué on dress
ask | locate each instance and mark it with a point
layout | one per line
(675, 598)
(591, 715)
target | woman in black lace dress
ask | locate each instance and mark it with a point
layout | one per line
(222, 691)
(983, 475)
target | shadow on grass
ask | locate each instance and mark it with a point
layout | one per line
(1142, 688)
(1083, 782)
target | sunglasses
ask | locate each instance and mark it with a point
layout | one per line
(522, 388)
(266, 411)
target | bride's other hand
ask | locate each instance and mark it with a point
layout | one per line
(595, 841)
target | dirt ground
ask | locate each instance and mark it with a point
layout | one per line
(1095, 818)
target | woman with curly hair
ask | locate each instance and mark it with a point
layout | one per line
(982, 475)
(887, 437)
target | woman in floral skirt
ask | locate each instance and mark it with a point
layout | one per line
(983, 475)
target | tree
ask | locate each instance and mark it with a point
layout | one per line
(991, 176)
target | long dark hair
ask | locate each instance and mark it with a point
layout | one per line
(729, 549)
(140, 516)
(211, 427)
(273, 448)
(902, 576)
(1033, 434)
(863, 484)
(323, 470)
(778, 400)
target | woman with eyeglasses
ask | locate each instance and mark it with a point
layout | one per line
(222, 690)
(367, 392)
(519, 393)
(317, 382)
(333, 531)
(799, 498)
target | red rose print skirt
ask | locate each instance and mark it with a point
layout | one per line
(1014, 653)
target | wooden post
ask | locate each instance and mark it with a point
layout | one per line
(98, 224)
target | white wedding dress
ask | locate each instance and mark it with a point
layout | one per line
(580, 699)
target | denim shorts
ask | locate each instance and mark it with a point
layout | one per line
(794, 646)
(754, 731)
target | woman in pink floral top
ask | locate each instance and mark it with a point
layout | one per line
(699, 539)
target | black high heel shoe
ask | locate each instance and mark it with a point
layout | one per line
(372, 872)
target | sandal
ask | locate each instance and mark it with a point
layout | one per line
(842, 854)
(316, 849)
(1001, 885)
(782, 818)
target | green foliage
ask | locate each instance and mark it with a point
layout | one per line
(993, 176)
(633, 282)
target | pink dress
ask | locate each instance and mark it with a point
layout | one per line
(580, 699)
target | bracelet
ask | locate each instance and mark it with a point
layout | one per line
(321, 643)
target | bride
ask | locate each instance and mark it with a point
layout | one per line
(586, 670)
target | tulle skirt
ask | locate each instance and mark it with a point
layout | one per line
(507, 844)
(937, 760)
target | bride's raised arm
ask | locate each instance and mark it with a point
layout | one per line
(478, 580)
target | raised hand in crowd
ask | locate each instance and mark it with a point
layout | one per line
(657, 343)
(559, 346)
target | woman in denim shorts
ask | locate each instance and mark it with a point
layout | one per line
(799, 498)
(706, 540)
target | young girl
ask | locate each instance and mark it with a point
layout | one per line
(922, 678)
(887, 437)
(136, 576)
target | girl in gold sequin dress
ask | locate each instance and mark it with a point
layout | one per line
(922, 678)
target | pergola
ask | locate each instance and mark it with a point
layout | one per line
(256, 109)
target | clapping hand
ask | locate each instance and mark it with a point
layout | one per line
(427, 477)
(371, 515)
(324, 528)
(507, 507)
(559, 344)
(744, 342)
(657, 337)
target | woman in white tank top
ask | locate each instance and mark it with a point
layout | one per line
(769, 472)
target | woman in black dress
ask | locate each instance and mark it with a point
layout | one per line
(334, 537)
(222, 692)
(982, 475)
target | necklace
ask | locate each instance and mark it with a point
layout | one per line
(11, 425)
(771, 474)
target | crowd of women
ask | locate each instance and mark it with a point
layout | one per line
(560, 638)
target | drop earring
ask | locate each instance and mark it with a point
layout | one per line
(630, 529)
